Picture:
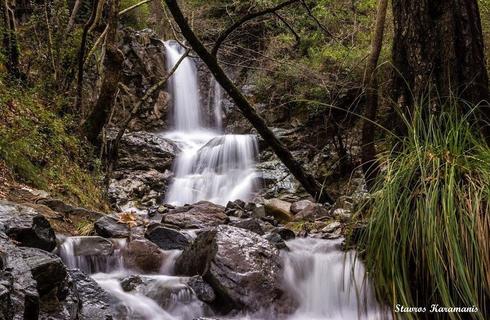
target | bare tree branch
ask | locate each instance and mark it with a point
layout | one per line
(246, 18)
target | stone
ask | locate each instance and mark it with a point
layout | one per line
(311, 212)
(284, 233)
(92, 246)
(202, 289)
(197, 216)
(251, 224)
(332, 227)
(109, 227)
(144, 151)
(279, 209)
(242, 267)
(26, 226)
(166, 238)
(94, 302)
(276, 240)
(300, 205)
(143, 255)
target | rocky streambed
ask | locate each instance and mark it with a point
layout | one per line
(187, 262)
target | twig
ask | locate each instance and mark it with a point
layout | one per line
(246, 18)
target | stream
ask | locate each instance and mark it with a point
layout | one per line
(326, 282)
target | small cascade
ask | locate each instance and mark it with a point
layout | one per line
(212, 166)
(328, 283)
(152, 297)
(222, 170)
(91, 264)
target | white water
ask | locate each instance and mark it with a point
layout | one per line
(327, 282)
(217, 105)
(141, 303)
(212, 166)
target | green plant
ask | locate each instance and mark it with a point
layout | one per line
(428, 224)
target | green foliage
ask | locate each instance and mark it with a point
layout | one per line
(36, 144)
(426, 239)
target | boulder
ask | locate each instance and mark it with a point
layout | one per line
(279, 209)
(92, 246)
(284, 233)
(251, 224)
(166, 238)
(242, 267)
(94, 302)
(197, 216)
(143, 255)
(26, 226)
(32, 279)
(145, 151)
(311, 212)
(109, 227)
(300, 205)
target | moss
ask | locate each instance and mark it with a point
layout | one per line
(36, 143)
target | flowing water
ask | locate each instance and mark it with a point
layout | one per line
(327, 282)
(212, 166)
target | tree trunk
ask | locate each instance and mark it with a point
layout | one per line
(81, 56)
(10, 48)
(307, 181)
(438, 51)
(370, 165)
(113, 62)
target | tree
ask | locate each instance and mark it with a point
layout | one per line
(369, 163)
(10, 48)
(113, 62)
(438, 50)
(307, 181)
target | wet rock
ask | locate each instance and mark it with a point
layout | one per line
(134, 186)
(202, 289)
(276, 240)
(26, 226)
(258, 211)
(197, 216)
(109, 227)
(284, 233)
(251, 224)
(131, 283)
(279, 209)
(166, 238)
(143, 255)
(143, 168)
(300, 205)
(145, 151)
(312, 212)
(242, 267)
(144, 65)
(92, 246)
(94, 302)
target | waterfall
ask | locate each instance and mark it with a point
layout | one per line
(212, 166)
(328, 283)
(184, 86)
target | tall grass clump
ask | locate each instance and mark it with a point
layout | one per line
(427, 236)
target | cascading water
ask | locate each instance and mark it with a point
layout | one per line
(212, 166)
(326, 282)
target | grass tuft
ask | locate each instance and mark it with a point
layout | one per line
(427, 235)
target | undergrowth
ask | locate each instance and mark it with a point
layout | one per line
(427, 235)
(40, 148)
